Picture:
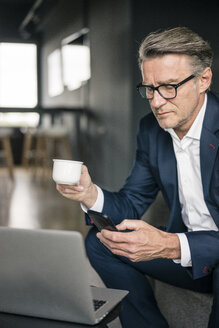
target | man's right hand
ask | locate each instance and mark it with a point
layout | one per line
(85, 191)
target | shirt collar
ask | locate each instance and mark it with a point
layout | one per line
(195, 130)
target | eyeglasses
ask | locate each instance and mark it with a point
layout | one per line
(167, 91)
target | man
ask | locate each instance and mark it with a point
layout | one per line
(177, 153)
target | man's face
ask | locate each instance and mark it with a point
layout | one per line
(178, 113)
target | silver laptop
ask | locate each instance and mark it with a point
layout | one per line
(44, 273)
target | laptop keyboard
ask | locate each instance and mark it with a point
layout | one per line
(98, 304)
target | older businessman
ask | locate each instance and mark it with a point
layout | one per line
(177, 153)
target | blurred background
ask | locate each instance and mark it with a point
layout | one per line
(68, 76)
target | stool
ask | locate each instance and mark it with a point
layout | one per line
(28, 150)
(48, 143)
(6, 150)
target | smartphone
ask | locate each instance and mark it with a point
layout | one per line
(101, 221)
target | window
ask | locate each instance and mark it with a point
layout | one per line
(55, 85)
(18, 75)
(75, 52)
(76, 65)
(18, 119)
(69, 66)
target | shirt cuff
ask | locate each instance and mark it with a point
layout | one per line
(185, 260)
(98, 205)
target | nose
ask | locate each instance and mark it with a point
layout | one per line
(157, 100)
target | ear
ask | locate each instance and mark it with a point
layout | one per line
(205, 79)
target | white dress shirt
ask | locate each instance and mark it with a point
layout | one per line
(194, 211)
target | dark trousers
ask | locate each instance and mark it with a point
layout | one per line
(140, 309)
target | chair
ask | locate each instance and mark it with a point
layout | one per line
(5, 134)
(43, 144)
(51, 142)
(28, 147)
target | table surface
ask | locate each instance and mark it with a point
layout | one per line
(18, 321)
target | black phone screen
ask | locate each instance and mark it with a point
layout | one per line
(101, 221)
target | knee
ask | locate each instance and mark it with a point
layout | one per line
(94, 247)
(96, 251)
(91, 240)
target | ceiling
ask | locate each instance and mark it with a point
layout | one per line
(18, 16)
(12, 13)
(17, 1)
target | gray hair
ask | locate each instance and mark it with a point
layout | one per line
(178, 40)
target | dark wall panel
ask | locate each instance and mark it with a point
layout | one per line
(110, 96)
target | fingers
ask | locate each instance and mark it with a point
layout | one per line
(84, 169)
(123, 237)
(75, 192)
(111, 240)
(115, 237)
(85, 176)
(131, 225)
(68, 189)
(118, 247)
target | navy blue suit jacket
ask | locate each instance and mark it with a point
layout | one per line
(155, 169)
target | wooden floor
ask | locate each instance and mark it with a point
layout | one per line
(32, 202)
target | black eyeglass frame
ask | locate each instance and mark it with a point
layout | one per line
(175, 86)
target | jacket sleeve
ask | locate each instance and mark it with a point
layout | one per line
(204, 247)
(140, 188)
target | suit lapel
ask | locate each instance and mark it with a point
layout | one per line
(167, 162)
(209, 145)
(168, 175)
(208, 151)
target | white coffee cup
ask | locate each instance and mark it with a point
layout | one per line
(66, 172)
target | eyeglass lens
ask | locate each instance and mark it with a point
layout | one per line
(166, 91)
